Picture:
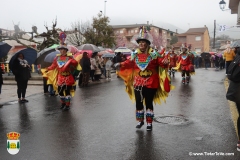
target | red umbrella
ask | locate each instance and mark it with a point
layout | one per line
(212, 53)
(78, 55)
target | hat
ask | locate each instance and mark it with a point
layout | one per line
(185, 46)
(62, 46)
(144, 35)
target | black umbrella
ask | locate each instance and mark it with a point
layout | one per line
(89, 47)
(235, 44)
(50, 57)
(4, 49)
(206, 55)
(42, 54)
(29, 54)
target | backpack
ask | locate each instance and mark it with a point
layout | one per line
(233, 72)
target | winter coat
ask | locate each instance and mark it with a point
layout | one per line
(21, 73)
(85, 64)
(1, 78)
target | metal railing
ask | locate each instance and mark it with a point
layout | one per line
(7, 70)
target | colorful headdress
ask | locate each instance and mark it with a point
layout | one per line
(62, 38)
(144, 35)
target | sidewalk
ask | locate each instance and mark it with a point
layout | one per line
(9, 92)
(35, 86)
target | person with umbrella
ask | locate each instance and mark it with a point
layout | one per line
(145, 77)
(86, 68)
(21, 70)
(66, 66)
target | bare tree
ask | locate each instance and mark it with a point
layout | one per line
(50, 37)
(76, 35)
(120, 40)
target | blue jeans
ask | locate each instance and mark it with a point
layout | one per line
(51, 91)
(206, 65)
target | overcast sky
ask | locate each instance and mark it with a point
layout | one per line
(180, 13)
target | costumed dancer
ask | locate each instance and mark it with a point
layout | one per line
(172, 57)
(185, 65)
(146, 77)
(64, 69)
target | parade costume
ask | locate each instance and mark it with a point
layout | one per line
(146, 79)
(185, 65)
(172, 57)
(62, 74)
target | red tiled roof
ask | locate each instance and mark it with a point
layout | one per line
(196, 30)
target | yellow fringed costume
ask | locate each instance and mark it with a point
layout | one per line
(128, 73)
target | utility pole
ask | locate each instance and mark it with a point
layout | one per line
(214, 34)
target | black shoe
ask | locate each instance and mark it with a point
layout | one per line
(149, 126)
(62, 106)
(140, 124)
(66, 108)
(24, 100)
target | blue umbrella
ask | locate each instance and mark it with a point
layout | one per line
(29, 54)
(50, 57)
(4, 49)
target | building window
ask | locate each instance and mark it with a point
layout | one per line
(198, 38)
(131, 31)
(198, 50)
(136, 31)
(121, 31)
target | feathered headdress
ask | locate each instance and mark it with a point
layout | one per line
(62, 38)
(144, 34)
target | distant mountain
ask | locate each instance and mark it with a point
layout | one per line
(169, 26)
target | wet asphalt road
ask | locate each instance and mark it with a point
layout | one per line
(101, 124)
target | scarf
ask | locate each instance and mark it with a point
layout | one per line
(23, 62)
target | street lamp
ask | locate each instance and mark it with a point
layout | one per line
(105, 8)
(222, 5)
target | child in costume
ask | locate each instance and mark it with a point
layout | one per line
(146, 78)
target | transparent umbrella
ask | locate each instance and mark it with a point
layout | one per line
(122, 49)
(235, 44)
(91, 47)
